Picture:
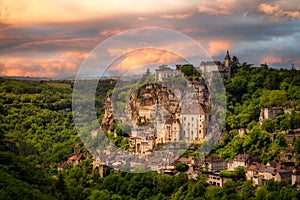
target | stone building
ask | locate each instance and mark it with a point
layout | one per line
(210, 68)
(269, 113)
(164, 73)
(216, 180)
(241, 160)
(213, 164)
(194, 122)
(296, 176)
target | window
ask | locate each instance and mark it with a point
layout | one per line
(192, 118)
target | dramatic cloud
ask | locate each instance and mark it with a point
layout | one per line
(276, 12)
(217, 47)
(138, 58)
(226, 7)
(175, 16)
(35, 11)
(58, 64)
(47, 38)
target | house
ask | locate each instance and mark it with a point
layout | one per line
(269, 173)
(102, 168)
(75, 160)
(254, 172)
(144, 144)
(296, 176)
(269, 113)
(241, 160)
(72, 160)
(283, 175)
(215, 180)
(213, 164)
(172, 130)
(61, 165)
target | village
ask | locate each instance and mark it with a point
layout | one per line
(191, 125)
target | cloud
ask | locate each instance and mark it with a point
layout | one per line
(110, 32)
(137, 58)
(276, 12)
(175, 16)
(63, 63)
(279, 60)
(226, 7)
(49, 11)
(216, 47)
(274, 8)
(143, 18)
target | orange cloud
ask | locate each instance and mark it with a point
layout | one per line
(215, 47)
(175, 16)
(110, 32)
(273, 59)
(65, 63)
(142, 57)
(276, 12)
(143, 18)
(36, 11)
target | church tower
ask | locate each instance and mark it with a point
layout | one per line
(227, 59)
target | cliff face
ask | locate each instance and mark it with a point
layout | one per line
(149, 95)
(108, 118)
(140, 107)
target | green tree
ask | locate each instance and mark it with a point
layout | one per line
(144, 194)
(181, 167)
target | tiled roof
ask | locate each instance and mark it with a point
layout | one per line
(242, 157)
(72, 158)
(214, 159)
(285, 175)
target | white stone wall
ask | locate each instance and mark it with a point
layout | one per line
(194, 126)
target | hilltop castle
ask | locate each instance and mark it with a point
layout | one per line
(207, 68)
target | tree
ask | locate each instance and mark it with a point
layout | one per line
(144, 194)
(198, 189)
(229, 187)
(181, 167)
(268, 125)
(99, 195)
(239, 172)
(247, 190)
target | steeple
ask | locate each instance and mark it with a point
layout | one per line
(227, 59)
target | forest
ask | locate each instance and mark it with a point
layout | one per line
(37, 132)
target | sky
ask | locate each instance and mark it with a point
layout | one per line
(52, 38)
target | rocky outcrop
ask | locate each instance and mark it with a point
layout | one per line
(149, 95)
(108, 118)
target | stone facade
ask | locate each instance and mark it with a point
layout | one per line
(213, 164)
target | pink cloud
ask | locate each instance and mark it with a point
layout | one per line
(276, 12)
(175, 16)
(143, 18)
(63, 63)
(142, 57)
(274, 60)
(218, 46)
(110, 32)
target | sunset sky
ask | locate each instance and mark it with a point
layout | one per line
(52, 38)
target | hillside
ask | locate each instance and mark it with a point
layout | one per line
(37, 133)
